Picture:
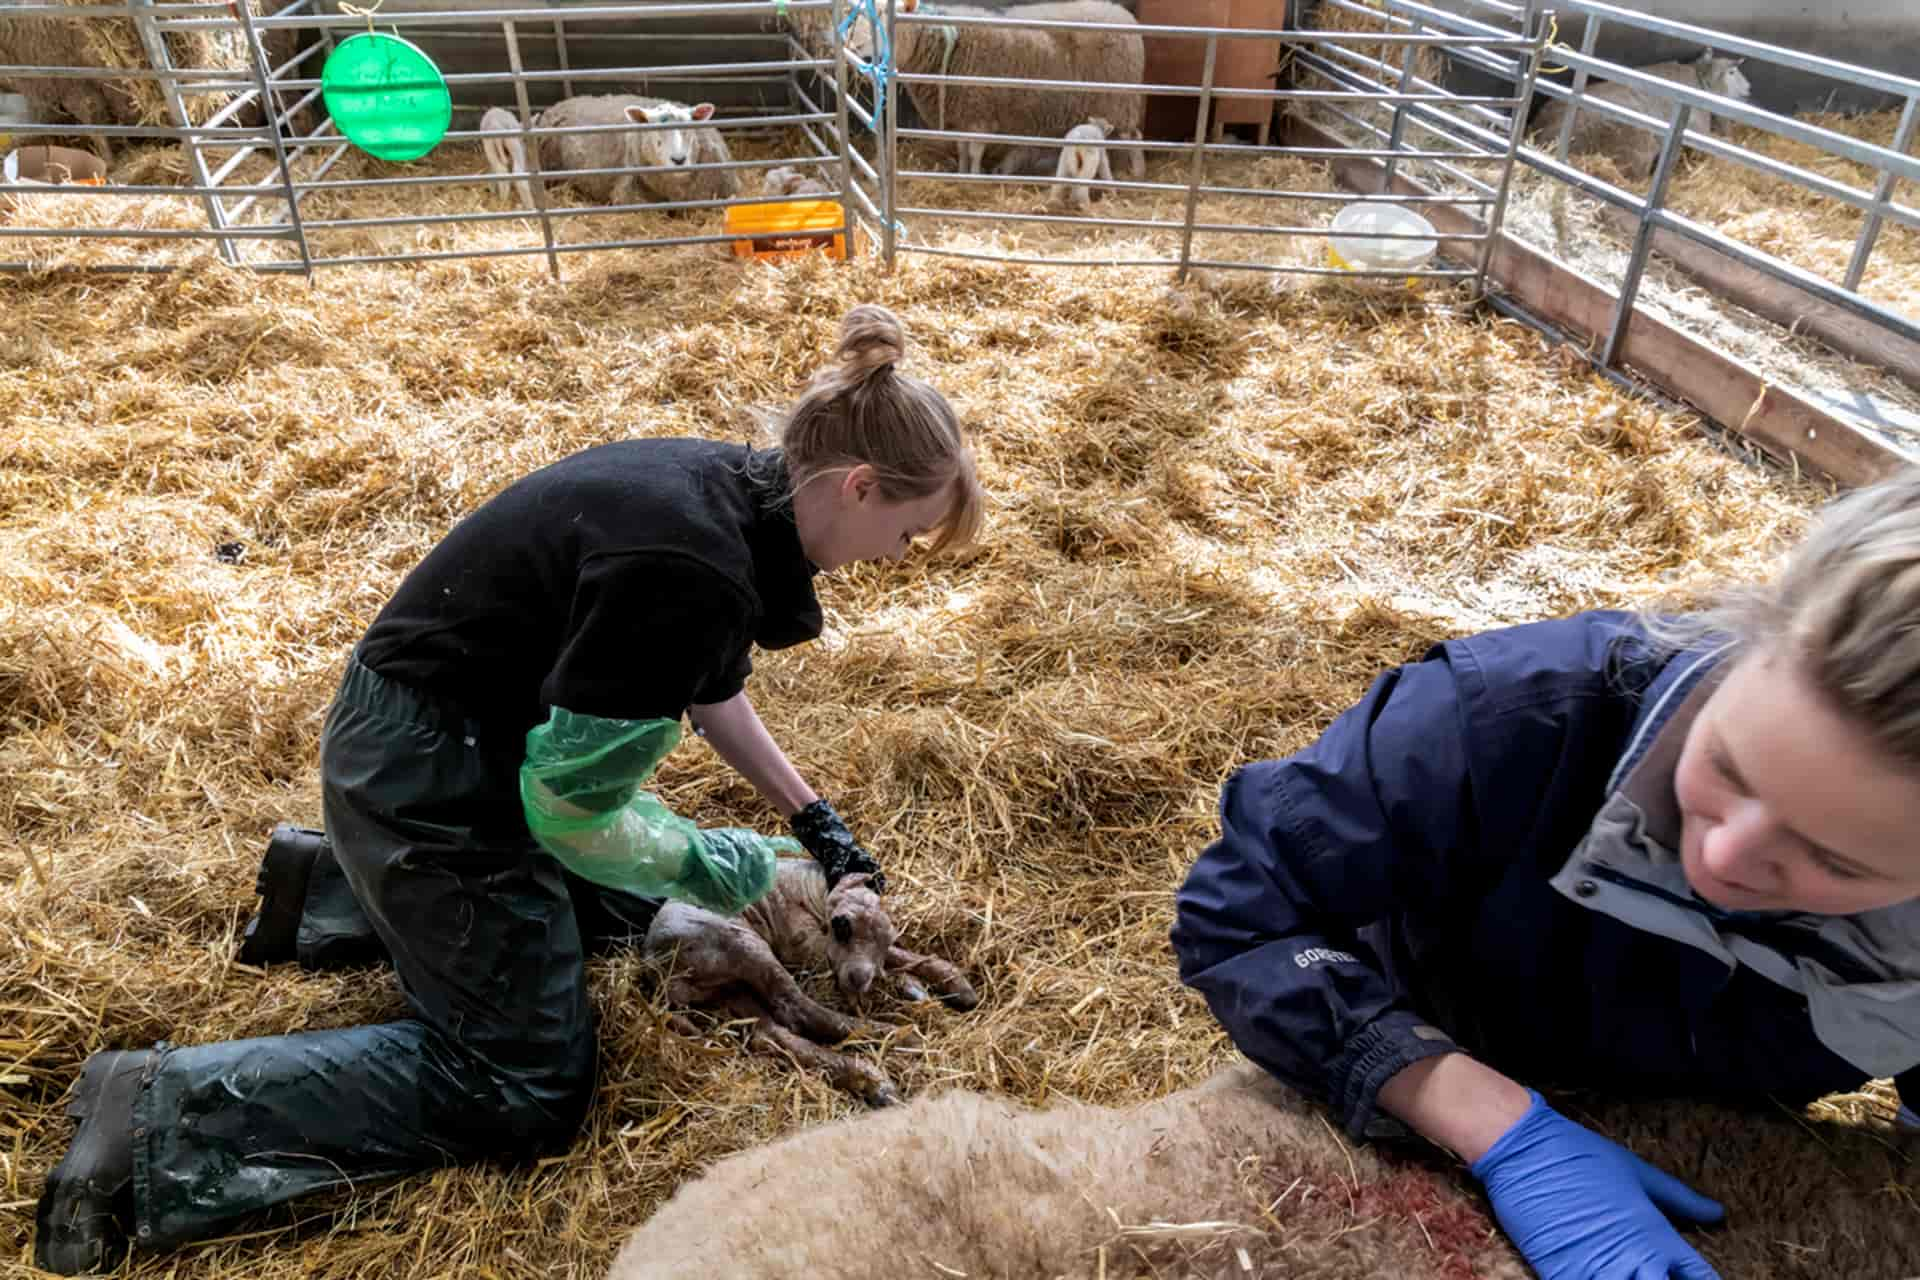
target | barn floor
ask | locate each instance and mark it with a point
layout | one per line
(1218, 513)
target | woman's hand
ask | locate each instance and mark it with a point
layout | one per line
(1579, 1207)
(832, 845)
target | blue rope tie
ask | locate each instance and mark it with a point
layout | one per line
(881, 64)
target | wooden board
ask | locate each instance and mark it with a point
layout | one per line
(1852, 336)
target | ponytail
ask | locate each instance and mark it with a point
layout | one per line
(861, 411)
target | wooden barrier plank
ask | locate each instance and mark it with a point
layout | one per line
(1780, 420)
(1781, 302)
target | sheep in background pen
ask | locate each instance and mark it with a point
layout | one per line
(504, 153)
(1237, 1177)
(49, 42)
(113, 44)
(567, 153)
(1635, 150)
(1111, 57)
(788, 180)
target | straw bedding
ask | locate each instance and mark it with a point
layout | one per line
(1218, 513)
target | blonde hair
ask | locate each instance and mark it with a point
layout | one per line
(861, 411)
(1845, 607)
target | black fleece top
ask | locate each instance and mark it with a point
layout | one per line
(629, 580)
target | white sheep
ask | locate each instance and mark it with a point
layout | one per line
(1084, 163)
(963, 1184)
(1633, 149)
(1111, 57)
(623, 149)
(788, 180)
(1235, 1178)
(51, 42)
(505, 155)
(110, 100)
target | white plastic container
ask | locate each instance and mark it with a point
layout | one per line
(1349, 253)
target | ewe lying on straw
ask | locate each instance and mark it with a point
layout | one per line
(1235, 1177)
(631, 149)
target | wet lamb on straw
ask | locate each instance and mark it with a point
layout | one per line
(741, 964)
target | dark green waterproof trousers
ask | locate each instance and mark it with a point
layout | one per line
(431, 867)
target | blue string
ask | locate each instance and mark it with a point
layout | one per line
(881, 63)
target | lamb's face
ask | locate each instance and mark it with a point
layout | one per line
(667, 146)
(859, 932)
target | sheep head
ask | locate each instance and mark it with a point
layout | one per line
(859, 39)
(859, 931)
(1724, 77)
(665, 146)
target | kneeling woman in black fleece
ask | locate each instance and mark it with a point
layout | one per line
(503, 708)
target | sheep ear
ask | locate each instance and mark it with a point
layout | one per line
(639, 115)
(908, 6)
(703, 111)
(842, 929)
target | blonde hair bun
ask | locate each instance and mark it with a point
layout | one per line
(871, 338)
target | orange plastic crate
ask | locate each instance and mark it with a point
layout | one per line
(787, 229)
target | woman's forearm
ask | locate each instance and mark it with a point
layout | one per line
(1456, 1101)
(734, 729)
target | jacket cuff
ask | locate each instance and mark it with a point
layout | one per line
(1389, 1045)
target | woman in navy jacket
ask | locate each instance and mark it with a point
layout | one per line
(1656, 856)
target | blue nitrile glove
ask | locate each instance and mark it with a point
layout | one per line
(1579, 1207)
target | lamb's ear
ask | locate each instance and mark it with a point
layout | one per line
(703, 111)
(640, 115)
(908, 6)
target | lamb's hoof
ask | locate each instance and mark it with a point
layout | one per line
(885, 1096)
(960, 1001)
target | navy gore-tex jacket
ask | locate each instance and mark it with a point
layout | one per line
(1388, 894)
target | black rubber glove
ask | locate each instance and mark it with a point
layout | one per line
(826, 837)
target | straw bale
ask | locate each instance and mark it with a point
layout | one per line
(1218, 513)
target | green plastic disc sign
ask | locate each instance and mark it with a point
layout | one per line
(386, 96)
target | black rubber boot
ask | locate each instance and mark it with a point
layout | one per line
(272, 935)
(86, 1211)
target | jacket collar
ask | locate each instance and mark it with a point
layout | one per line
(1859, 974)
(1672, 701)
